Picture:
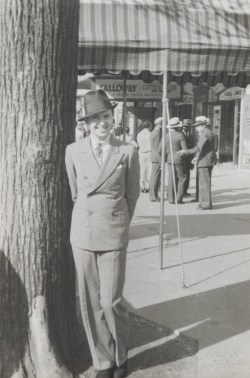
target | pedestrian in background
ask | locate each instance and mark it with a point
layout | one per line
(129, 138)
(103, 174)
(205, 151)
(144, 143)
(155, 157)
(189, 138)
(175, 161)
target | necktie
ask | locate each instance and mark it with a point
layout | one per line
(99, 153)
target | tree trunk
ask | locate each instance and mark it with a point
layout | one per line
(39, 42)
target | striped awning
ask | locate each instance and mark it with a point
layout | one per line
(159, 35)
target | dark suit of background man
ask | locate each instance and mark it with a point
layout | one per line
(178, 144)
(205, 159)
(189, 138)
(104, 178)
(155, 139)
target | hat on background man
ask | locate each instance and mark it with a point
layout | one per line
(96, 102)
(200, 120)
(186, 122)
(174, 122)
(158, 120)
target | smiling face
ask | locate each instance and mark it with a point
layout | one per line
(100, 124)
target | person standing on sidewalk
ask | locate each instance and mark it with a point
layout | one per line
(103, 174)
(205, 159)
(155, 138)
(189, 138)
(175, 161)
(144, 143)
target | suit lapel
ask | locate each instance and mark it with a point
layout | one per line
(114, 157)
(88, 154)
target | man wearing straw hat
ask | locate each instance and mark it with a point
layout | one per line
(104, 178)
(205, 160)
(176, 164)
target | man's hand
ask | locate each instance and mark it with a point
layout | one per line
(182, 152)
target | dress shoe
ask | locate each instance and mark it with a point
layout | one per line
(186, 194)
(107, 373)
(155, 200)
(121, 371)
(194, 200)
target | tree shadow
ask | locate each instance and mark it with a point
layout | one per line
(14, 320)
(209, 317)
(153, 344)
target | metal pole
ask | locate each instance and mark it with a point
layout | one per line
(124, 110)
(165, 116)
(163, 151)
(236, 131)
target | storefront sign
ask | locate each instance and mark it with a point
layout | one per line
(231, 94)
(244, 153)
(135, 89)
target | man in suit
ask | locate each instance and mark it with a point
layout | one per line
(155, 158)
(205, 159)
(175, 161)
(103, 174)
(189, 138)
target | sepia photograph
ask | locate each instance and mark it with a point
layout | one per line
(125, 189)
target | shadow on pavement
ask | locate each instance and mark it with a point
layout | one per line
(153, 344)
(194, 225)
(209, 317)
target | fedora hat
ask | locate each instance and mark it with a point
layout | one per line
(174, 122)
(200, 120)
(96, 102)
(158, 120)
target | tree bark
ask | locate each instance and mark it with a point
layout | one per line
(38, 56)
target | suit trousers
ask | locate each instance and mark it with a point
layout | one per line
(101, 277)
(154, 180)
(204, 178)
(180, 177)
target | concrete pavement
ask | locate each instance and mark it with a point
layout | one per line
(201, 330)
(206, 324)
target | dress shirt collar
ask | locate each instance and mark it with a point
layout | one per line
(95, 142)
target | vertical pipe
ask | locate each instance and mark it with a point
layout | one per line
(236, 129)
(165, 120)
(124, 109)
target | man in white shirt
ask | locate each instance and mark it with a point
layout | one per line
(144, 143)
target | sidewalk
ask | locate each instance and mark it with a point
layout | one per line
(201, 330)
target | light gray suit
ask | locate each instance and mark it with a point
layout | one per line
(104, 203)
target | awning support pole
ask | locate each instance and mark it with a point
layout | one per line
(124, 108)
(165, 117)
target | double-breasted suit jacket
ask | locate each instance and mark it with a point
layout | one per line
(104, 197)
